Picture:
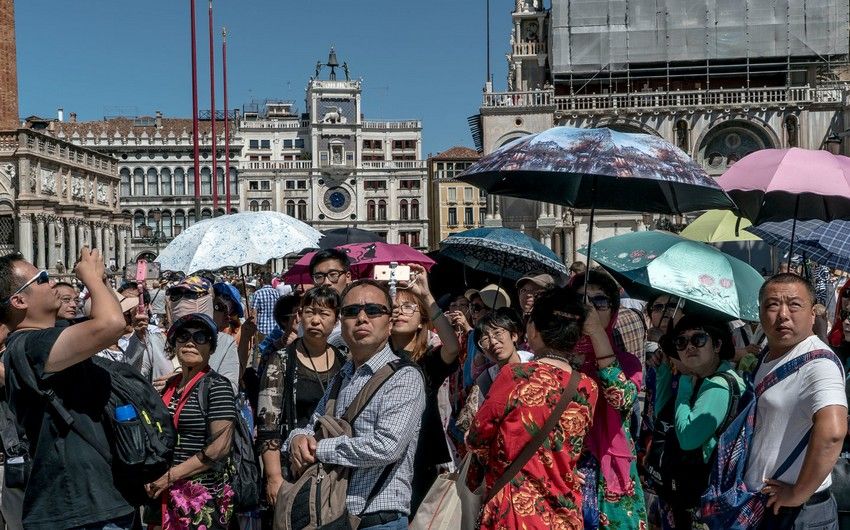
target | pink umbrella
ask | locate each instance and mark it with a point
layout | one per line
(783, 184)
(363, 256)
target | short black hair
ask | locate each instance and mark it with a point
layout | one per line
(9, 282)
(505, 317)
(284, 308)
(558, 317)
(327, 255)
(716, 329)
(788, 278)
(324, 296)
(362, 283)
(64, 284)
(604, 281)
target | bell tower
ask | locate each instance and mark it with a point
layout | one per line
(8, 68)
(529, 50)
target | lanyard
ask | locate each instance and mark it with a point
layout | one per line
(184, 397)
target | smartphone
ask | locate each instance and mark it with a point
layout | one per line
(141, 273)
(384, 273)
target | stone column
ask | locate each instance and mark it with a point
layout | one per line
(491, 206)
(51, 243)
(41, 247)
(122, 248)
(547, 239)
(25, 235)
(128, 236)
(73, 251)
(81, 235)
(98, 237)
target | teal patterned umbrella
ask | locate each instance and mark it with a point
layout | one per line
(691, 270)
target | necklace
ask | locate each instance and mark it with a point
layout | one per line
(557, 357)
(315, 370)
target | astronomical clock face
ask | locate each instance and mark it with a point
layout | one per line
(337, 199)
(530, 31)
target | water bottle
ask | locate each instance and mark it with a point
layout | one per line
(125, 413)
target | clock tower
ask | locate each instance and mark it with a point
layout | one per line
(528, 57)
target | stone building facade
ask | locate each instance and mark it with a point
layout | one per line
(716, 108)
(332, 168)
(55, 197)
(455, 206)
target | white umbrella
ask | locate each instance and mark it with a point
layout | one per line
(236, 240)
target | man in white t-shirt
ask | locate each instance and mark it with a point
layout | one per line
(813, 397)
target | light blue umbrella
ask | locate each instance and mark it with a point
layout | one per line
(501, 251)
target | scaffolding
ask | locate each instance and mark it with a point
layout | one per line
(639, 45)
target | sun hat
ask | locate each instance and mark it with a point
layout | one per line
(194, 319)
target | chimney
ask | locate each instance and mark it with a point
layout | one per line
(8, 68)
(159, 119)
(60, 114)
(72, 117)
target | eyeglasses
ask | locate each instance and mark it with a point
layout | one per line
(477, 307)
(408, 309)
(600, 301)
(177, 295)
(371, 310)
(498, 335)
(661, 307)
(198, 337)
(40, 279)
(698, 340)
(332, 276)
(530, 291)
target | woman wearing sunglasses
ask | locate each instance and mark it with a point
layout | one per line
(295, 379)
(613, 496)
(701, 350)
(415, 314)
(195, 491)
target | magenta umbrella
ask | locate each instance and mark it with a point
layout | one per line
(363, 256)
(783, 184)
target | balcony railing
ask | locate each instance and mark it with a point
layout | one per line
(273, 124)
(288, 164)
(714, 98)
(529, 48)
(394, 164)
(392, 124)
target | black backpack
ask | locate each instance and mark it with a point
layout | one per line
(681, 477)
(246, 478)
(140, 450)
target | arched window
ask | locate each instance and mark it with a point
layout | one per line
(179, 181)
(138, 182)
(370, 210)
(403, 211)
(290, 208)
(414, 209)
(302, 210)
(190, 181)
(234, 210)
(138, 221)
(167, 225)
(234, 182)
(165, 181)
(206, 181)
(206, 214)
(179, 221)
(191, 217)
(254, 206)
(220, 180)
(382, 210)
(126, 188)
(220, 212)
(265, 206)
(153, 182)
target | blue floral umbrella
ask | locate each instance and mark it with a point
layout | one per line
(501, 251)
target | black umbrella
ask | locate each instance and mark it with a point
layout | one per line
(345, 236)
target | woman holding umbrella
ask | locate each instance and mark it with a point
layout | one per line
(609, 462)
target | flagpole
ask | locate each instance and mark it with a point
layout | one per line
(226, 121)
(195, 135)
(213, 119)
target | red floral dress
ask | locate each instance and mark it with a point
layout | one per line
(545, 493)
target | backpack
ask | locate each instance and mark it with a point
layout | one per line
(727, 503)
(245, 481)
(140, 450)
(318, 498)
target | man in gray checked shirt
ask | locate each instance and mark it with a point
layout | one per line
(387, 429)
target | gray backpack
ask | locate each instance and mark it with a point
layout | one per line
(317, 499)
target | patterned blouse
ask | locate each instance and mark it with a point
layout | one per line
(545, 494)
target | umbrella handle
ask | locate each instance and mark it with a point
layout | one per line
(793, 231)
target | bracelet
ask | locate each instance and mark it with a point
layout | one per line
(606, 357)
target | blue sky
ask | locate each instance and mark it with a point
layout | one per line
(419, 59)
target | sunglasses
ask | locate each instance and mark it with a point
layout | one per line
(198, 337)
(844, 314)
(39, 279)
(698, 340)
(661, 307)
(178, 295)
(600, 301)
(477, 307)
(371, 310)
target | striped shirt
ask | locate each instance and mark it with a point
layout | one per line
(263, 303)
(385, 434)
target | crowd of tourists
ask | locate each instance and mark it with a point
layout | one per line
(204, 401)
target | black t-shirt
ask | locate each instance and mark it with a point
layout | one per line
(308, 390)
(71, 484)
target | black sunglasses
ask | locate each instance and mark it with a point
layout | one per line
(477, 307)
(39, 279)
(661, 307)
(600, 301)
(179, 294)
(697, 339)
(371, 310)
(198, 337)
